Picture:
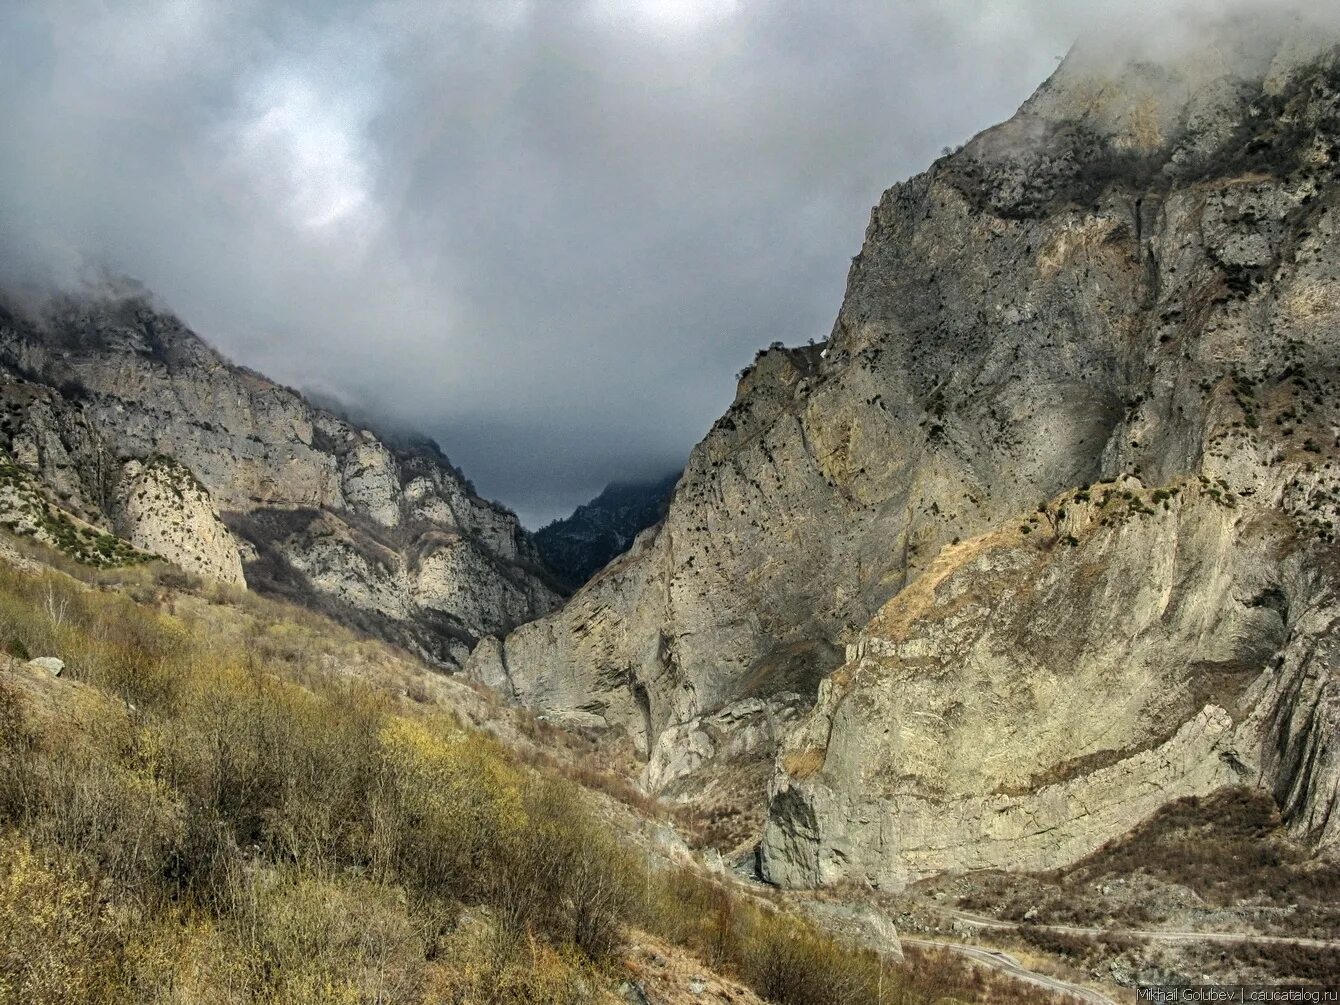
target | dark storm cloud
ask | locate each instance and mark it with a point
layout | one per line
(547, 233)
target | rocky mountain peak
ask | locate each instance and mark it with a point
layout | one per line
(579, 545)
(137, 425)
(1075, 362)
(1238, 94)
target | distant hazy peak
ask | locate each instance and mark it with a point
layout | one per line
(578, 546)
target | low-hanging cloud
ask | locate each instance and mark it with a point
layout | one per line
(545, 233)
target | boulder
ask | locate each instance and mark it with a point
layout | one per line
(50, 664)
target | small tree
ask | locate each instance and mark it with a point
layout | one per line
(1054, 518)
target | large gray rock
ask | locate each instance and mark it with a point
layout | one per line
(162, 509)
(51, 664)
(726, 738)
(1034, 696)
(1137, 276)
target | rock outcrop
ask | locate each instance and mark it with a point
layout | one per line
(1033, 695)
(136, 425)
(722, 758)
(1124, 303)
(161, 508)
(27, 510)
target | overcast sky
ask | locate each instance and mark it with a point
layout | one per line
(545, 232)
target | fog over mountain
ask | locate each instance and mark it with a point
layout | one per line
(545, 234)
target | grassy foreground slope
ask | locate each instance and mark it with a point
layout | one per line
(222, 799)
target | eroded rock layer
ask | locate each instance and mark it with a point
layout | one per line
(1034, 694)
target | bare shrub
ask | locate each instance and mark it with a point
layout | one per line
(57, 943)
(205, 822)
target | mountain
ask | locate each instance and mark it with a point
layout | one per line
(117, 418)
(596, 532)
(1043, 537)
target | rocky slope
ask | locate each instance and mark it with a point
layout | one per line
(132, 423)
(578, 546)
(160, 508)
(1072, 446)
(1033, 695)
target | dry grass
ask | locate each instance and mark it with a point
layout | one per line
(1278, 962)
(208, 806)
(728, 825)
(1230, 849)
(1219, 863)
(804, 763)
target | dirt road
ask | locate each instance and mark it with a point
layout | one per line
(997, 960)
(1152, 934)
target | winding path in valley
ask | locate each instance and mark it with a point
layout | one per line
(998, 960)
(1004, 962)
(1152, 934)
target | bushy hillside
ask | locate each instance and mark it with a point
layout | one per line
(224, 799)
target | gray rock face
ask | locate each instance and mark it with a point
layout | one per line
(50, 664)
(1135, 282)
(727, 738)
(1031, 696)
(135, 423)
(160, 508)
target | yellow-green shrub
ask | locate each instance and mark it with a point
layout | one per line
(57, 944)
(264, 833)
(326, 941)
(443, 807)
(564, 873)
(15, 755)
(485, 963)
(182, 957)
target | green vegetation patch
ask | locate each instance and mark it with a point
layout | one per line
(29, 513)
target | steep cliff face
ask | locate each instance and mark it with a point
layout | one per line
(1137, 277)
(735, 595)
(1034, 694)
(1177, 321)
(137, 425)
